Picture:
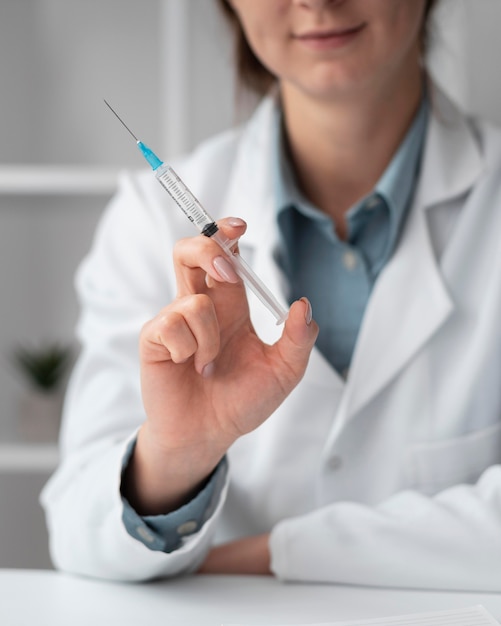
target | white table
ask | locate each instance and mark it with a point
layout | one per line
(46, 598)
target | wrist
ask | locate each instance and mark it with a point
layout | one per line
(159, 479)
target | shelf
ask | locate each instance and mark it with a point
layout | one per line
(28, 457)
(57, 180)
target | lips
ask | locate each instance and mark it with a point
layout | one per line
(329, 38)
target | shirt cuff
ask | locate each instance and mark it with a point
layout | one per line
(166, 533)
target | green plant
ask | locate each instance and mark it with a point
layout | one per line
(43, 367)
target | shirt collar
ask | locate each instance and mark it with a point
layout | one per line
(395, 185)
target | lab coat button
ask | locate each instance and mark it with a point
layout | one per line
(187, 528)
(145, 534)
(350, 260)
(335, 462)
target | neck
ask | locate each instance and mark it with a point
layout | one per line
(340, 147)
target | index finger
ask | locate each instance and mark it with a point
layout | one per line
(197, 257)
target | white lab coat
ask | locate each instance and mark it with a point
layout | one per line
(391, 478)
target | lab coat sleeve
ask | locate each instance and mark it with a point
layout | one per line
(125, 280)
(451, 541)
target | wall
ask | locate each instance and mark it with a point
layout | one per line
(466, 52)
(58, 59)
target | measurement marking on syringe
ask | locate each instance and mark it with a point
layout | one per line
(192, 208)
(180, 194)
(191, 213)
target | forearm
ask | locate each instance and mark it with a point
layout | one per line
(449, 541)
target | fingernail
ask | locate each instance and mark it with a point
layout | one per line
(208, 370)
(308, 316)
(225, 269)
(236, 221)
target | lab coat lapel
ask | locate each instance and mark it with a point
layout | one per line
(410, 301)
(409, 304)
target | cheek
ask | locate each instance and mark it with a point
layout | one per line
(270, 46)
(265, 26)
(397, 31)
(406, 20)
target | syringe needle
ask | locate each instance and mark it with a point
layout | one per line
(120, 119)
(206, 225)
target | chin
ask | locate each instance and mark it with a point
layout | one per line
(339, 85)
(333, 82)
(332, 92)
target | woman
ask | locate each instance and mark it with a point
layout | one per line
(372, 458)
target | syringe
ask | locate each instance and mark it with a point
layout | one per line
(206, 225)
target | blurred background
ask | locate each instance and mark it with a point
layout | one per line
(166, 66)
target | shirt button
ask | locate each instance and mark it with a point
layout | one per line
(350, 260)
(335, 462)
(187, 527)
(145, 534)
(372, 202)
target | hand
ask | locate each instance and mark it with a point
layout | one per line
(206, 377)
(250, 555)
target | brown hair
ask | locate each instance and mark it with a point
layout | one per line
(252, 74)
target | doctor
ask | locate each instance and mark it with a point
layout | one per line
(230, 445)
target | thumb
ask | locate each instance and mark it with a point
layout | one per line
(295, 344)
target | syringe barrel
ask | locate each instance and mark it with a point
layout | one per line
(195, 212)
(250, 278)
(183, 197)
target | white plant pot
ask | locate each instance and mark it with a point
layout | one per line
(39, 416)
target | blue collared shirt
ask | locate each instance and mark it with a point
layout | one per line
(337, 276)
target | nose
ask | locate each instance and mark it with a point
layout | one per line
(317, 4)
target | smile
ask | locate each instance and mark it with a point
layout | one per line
(329, 39)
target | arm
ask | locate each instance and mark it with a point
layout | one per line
(449, 541)
(121, 284)
(206, 377)
(182, 431)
